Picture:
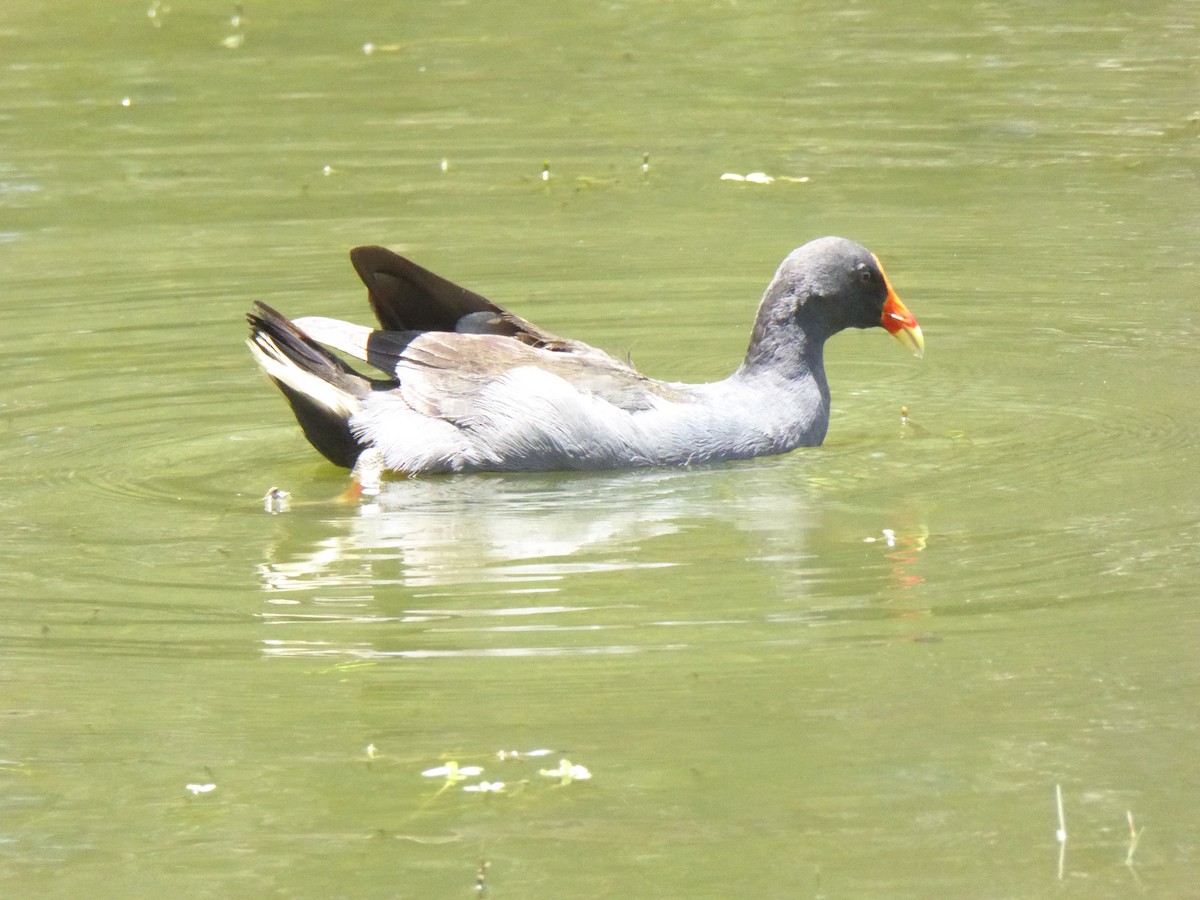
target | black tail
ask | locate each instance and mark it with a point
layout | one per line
(322, 390)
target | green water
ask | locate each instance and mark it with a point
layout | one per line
(853, 671)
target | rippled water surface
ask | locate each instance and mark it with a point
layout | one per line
(859, 670)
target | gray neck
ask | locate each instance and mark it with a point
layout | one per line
(788, 340)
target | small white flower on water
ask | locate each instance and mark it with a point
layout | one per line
(485, 787)
(198, 789)
(453, 772)
(567, 772)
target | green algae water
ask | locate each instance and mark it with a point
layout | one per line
(860, 670)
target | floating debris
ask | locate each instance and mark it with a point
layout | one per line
(1061, 833)
(481, 877)
(238, 37)
(522, 754)
(754, 177)
(546, 170)
(369, 47)
(763, 178)
(198, 789)
(1135, 835)
(485, 787)
(889, 537)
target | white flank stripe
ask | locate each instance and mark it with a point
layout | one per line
(271, 358)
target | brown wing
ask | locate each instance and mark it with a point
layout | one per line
(442, 374)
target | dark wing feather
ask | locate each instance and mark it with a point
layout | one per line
(326, 429)
(406, 297)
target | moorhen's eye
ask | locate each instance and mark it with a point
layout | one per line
(866, 276)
